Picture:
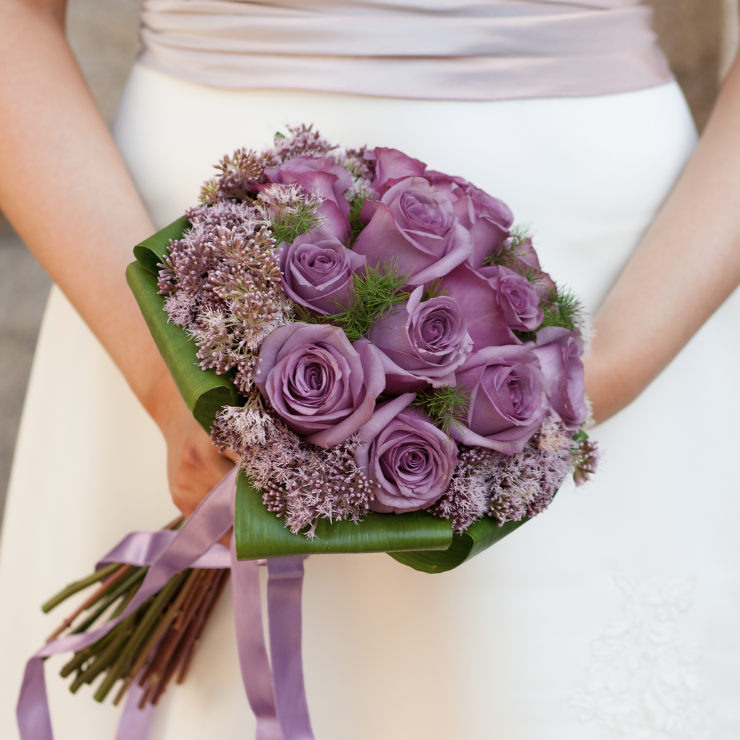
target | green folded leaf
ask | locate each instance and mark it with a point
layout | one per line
(151, 251)
(261, 534)
(204, 392)
(476, 538)
(419, 540)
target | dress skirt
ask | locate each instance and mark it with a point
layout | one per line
(612, 615)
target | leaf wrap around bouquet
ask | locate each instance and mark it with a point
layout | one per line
(417, 539)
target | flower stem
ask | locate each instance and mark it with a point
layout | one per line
(203, 615)
(77, 586)
(105, 657)
(142, 631)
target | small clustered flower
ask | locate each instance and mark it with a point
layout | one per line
(302, 141)
(300, 482)
(239, 428)
(355, 163)
(222, 282)
(304, 483)
(508, 487)
(585, 461)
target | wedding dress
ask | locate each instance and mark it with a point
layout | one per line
(611, 615)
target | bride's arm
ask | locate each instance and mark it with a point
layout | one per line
(686, 265)
(66, 190)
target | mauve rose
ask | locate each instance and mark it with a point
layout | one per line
(508, 398)
(392, 166)
(415, 225)
(479, 302)
(524, 261)
(518, 298)
(318, 271)
(488, 219)
(323, 387)
(324, 178)
(491, 221)
(559, 352)
(421, 343)
(408, 458)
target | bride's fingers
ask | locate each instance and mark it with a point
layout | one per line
(194, 467)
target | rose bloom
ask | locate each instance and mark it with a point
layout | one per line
(324, 178)
(415, 225)
(323, 387)
(488, 219)
(508, 398)
(408, 458)
(517, 297)
(524, 261)
(481, 305)
(317, 271)
(422, 343)
(559, 352)
(495, 301)
(392, 166)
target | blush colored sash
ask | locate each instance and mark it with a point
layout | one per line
(455, 50)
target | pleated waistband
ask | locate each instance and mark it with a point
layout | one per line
(476, 50)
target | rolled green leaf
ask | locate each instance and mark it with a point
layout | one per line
(418, 539)
(261, 534)
(473, 541)
(151, 252)
(204, 392)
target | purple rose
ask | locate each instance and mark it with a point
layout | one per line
(324, 178)
(409, 459)
(421, 343)
(523, 261)
(526, 260)
(559, 352)
(317, 271)
(322, 386)
(508, 398)
(517, 297)
(491, 220)
(416, 226)
(479, 301)
(487, 218)
(392, 166)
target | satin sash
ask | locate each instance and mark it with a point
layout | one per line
(456, 50)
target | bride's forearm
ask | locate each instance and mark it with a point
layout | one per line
(686, 265)
(67, 191)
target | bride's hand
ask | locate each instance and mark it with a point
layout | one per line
(194, 464)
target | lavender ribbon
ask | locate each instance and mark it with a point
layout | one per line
(277, 696)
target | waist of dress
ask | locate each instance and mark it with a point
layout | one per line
(480, 50)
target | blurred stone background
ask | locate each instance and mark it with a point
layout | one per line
(699, 36)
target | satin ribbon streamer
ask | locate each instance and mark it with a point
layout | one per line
(277, 696)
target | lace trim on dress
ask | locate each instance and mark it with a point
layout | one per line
(642, 680)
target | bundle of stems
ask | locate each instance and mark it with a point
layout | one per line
(150, 646)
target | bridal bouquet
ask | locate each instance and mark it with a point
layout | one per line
(384, 354)
(389, 343)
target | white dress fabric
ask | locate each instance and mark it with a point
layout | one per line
(611, 616)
